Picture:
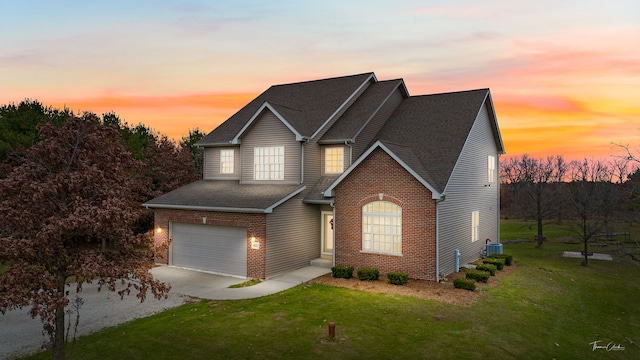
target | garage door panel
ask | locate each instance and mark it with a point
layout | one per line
(219, 249)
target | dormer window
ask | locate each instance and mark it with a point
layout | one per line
(226, 161)
(333, 160)
(268, 163)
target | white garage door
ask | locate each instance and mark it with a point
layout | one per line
(221, 249)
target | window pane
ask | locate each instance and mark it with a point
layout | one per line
(334, 160)
(268, 163)
(382, 227)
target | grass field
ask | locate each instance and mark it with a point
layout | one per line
(549, 307)
(512, 229)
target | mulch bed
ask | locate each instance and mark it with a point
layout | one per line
(421, 289)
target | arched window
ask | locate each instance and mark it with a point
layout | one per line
(382, 227)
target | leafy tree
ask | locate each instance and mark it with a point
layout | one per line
(197, 154)
(18, 124)
(134, 138)
(67, 211)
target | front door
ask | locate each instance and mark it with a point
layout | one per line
(327, 233)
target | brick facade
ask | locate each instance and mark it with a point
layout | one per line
(256, 225)
(380, 174)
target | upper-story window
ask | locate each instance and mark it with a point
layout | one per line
(491, 169)
(226, 161)
(333, 160)
(268, 163)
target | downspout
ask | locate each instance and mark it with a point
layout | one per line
(438, 201)
(498, 196)
(304, 141)
(346, 142)
(333, 257)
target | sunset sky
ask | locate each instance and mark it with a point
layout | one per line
(564, 75)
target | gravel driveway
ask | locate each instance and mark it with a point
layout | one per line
(21, 335)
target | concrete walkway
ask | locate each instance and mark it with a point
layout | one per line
(595, 256)
(216, 287)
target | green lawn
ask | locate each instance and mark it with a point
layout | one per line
(550, 307)
(512, 229)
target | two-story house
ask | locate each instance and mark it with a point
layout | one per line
(351, 170)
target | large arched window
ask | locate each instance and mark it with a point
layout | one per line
(382, 227)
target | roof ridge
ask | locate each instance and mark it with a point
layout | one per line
(284, 106)
(323, 79)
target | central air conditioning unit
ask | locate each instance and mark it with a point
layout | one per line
(494, 249)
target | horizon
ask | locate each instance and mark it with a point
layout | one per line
(562, 78)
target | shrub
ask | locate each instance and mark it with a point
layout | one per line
(342, 271)
(368, 274)
(463, 283)
(490, 268)
(499, 263)
(508, 259)
(477, 275)
(397, 278)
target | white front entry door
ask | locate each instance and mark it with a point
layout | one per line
(327, 232)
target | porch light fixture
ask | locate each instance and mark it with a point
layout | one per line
(254, 243)
(159, 230)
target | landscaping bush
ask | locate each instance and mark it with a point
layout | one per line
(368, 274)
(463, 283)
(477, 275)
(499, 263)
(397, 278)
(508, 259)
(490, 268)
(342, 271)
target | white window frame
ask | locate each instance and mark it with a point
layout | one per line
(491, 169)
(475, 226)
(333, 160)
(382, 228)
(227, 161)
(268, 163)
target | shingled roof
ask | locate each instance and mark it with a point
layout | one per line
(435, 128)
(358, 114)
(306, 106)
(426, 134)
(226, 195)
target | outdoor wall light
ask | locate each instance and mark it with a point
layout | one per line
(159, 230)
(254, 243)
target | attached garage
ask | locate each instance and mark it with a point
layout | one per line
(219, 249)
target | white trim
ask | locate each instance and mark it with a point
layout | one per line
(265, 105)
(475, 226)
(326, 158)
(233, 161)
(435, 194)
(384, 102)
(372, 76)
(323, 213)
(267, 210)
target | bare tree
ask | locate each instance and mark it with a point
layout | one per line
(534, 183)
(593, 197)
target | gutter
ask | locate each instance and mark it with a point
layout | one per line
(207, 208)
(438, 201)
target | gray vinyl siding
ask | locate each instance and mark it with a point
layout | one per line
(468, 191)
(211, 168)
(269, 131)
(313, 164)
(293, 236)
(363, 140)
